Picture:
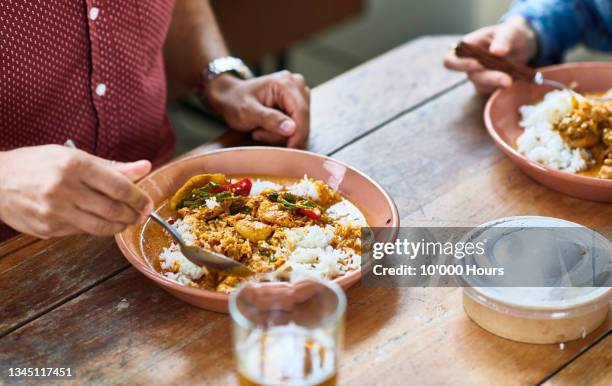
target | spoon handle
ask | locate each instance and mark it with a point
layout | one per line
(172, 230)
(493, 62)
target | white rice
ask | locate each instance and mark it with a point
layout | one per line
(305, 188)
(310, 237)
(185, 229)
(347, 214)
(211, 203)
(313, 255)
(259, 186)
(539, 142)
(171, 255)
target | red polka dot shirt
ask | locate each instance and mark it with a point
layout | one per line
(88, 70)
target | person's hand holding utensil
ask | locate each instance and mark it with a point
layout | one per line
(51, 191)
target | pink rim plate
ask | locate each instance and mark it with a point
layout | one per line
(369, 196)
(502, 117)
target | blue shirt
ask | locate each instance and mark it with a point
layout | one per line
(562, 24)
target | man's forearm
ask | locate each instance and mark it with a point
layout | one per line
(194, 39)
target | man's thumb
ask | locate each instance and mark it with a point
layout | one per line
(134, 170)
(274, 121)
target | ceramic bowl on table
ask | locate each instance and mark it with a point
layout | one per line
(502, 121)
(139, 243)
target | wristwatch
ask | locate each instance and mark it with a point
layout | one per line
(216, 68)
(224, 65)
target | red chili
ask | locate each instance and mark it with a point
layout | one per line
(313, 213)
(240, 188)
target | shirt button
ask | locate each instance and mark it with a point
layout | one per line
(93, 13)
(100, 89)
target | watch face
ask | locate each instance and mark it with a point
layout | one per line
(229, 64)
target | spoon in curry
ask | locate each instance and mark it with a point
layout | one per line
(516, 71)
(203, 257)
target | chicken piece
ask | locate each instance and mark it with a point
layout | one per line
(585, 125)
(252, 203)
(327, 196)
(228, 284)
(203, 213)
(581, 139)
(606, 170)
(253, 230)
(273, 213)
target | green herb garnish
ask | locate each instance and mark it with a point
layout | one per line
(292, 201)
(197, 198)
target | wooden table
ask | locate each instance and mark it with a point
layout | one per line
(412, 126)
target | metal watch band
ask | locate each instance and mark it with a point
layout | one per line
(224, 65)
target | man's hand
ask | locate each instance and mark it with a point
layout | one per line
(513, 39)
(274, 108)
(51, 191)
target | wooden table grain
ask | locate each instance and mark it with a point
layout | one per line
(405, 121)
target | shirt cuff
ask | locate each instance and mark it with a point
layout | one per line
(549, 51)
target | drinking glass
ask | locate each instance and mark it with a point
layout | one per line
(287, 334)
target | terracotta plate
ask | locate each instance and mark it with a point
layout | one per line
(141, 244)
(502, 117)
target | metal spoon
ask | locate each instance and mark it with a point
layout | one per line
(203, 257)
(516, 71)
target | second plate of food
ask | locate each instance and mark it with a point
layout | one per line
(560, 139)
(273, 209)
